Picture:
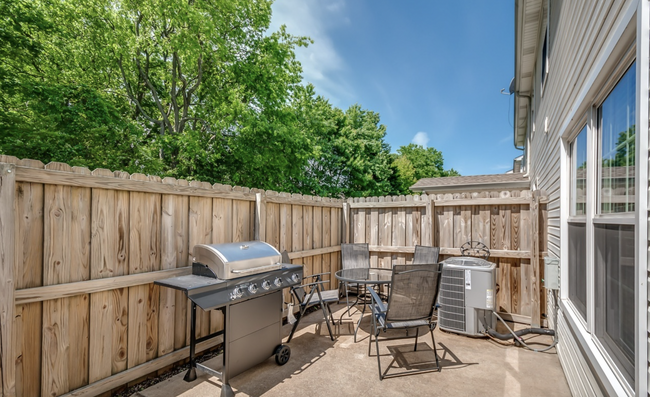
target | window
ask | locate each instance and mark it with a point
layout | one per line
(602, 204)
(579, 174)
(614, 254)
(617, 141)
(577, 226)
(614, 265)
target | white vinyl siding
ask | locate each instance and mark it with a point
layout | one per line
(580, 32)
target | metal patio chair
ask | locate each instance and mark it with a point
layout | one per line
(425, 254)
(310, 294)
(413, 294)
(353, 256)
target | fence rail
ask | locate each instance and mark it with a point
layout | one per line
(80, 250)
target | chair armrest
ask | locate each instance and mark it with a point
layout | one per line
(376, 299)
(316, 276)
(312, 284)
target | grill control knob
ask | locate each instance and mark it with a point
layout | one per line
(266, 284)
(237, 293)
(295, 277)
(252, 288)
(278, 282)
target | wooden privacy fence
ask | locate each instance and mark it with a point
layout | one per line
(80, 250)
(510, 223)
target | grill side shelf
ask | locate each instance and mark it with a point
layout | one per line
(189, 282)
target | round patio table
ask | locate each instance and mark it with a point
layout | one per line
(363, 276)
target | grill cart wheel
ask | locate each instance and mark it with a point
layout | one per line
(282, 354)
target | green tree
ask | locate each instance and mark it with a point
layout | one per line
(414, 162)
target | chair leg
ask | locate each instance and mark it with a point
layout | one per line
(417, 332)
(381, 377)
(295, 325)
(325, 308)
(435, 351)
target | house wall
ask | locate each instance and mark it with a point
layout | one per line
(584, 45)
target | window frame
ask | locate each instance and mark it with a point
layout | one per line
(592, 218)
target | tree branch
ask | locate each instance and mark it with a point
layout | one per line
(154, 94)
(129, 92)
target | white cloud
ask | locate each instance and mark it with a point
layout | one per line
(321, 63)
(421, 138)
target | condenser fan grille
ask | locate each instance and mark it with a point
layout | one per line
(452, 300)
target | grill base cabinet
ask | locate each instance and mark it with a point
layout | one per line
(254, 332)
(467, 296)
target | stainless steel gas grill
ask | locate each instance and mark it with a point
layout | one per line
(244, 281)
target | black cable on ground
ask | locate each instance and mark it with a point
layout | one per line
(517, 334)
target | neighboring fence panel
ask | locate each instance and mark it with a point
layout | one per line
(392, 226)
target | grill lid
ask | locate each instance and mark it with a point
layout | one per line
(233, 260)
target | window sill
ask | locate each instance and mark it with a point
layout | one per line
(601, 366)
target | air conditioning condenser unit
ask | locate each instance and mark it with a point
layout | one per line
(467, 295)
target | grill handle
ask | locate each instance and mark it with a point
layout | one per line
(259, 269)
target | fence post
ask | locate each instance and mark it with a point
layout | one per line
(345, 223)
(7, 223)
(260, 217)
(429, 221)
(535, 316)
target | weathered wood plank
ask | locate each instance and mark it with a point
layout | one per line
(326, 266)
(307, 238)
(7, 308)
(200, 232)
(142, 185)
(374, 233)
(28, 272)
(65, 290)
(445, 226)
(483, 201)
(241, 221)
(449, 251)
(504, 296)
(56, 270)
(385, 233)
(144, 256)
(481, 224)
(386, 204)
(281, 199)
(495, 228)
(535, 276)
(335, 240)
(506, 228)
(273, 224)
(525, 288)
(399, 232)
(109, 258)
(79, 306)
(317, 222)
(297, 232)
(462, 225)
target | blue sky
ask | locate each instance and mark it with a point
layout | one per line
(431, 69)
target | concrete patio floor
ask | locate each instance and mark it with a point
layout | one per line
(320, 367)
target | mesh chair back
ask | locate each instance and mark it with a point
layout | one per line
(355, 256)
(424, 254)
(413, 291)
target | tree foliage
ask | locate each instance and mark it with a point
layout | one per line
(196, 89)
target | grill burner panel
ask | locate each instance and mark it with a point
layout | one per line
(240, 279)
